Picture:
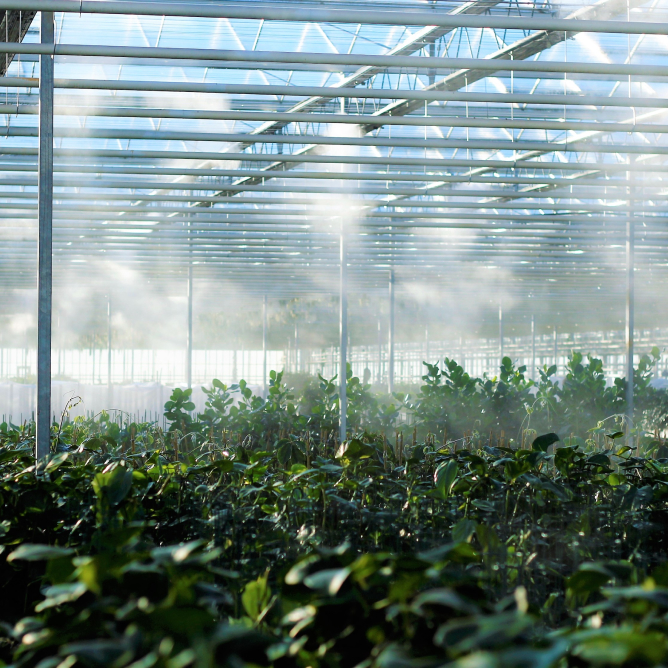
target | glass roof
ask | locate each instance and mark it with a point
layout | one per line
(236, 154)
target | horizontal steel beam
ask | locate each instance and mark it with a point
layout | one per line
(654, 244)
(424, 177)
(319, 200)
(256, 252)
(507, 193)
(576, 145)
(464, 234)
(567, 211)
(299, 13)
(355, 59)
(345, 119)
(332, 92)
(351, 159)
(241, 240)
(282, 220)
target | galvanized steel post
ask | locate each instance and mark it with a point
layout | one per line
(556, 350)
(297, 358)
(44, 243)
(109, 395)
(264, 346)
(380, 353)
(189, 334)
(343, 336)
(630, 312)
(390, 337)
(501, 329)
(533, 348)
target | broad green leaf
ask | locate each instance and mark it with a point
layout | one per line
(615, 435)
(445, 476)
(113, 486)
(463, 531)
(256, 597)
(33, 552)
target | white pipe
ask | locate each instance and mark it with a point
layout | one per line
(266, 226)
(352, 159)
(325, 189)
(501, 329)
(547, 180)
(300, 13)
(343, 333)
(351, 119)
(390, 335)
(264, 346)
(630, 313)
(334, 92)
(363, 203)
(356, 59)
(577, 145)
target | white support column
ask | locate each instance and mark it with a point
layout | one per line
(390, 337)
(264, 347)
(189, 332)
(630, 312)
(109, 390)
(343, 336)
(44, 244)
(533, 348)
(380, 352)
(501, 330)
(297, 357)
(556, 350)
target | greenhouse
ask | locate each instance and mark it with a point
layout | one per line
(333, 333)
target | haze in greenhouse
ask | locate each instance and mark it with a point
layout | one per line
(333, 334)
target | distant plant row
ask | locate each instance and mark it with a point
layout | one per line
(451, 405)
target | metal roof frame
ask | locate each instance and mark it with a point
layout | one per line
(345, 142)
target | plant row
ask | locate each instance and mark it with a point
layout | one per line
(248, 537)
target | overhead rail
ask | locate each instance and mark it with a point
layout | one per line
(127, 155)
(299, 13)
(349, 119)
(94, 182)
(561, 209)
(576, 144)
(357, 93)
(311, 175)
(289, 58)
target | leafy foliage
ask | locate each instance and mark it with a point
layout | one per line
(248, 536)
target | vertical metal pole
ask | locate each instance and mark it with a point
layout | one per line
(390, 337)
(343, 336)
(109, 397)
(297, 360)
(264, 346)
(431, 74)
(556, 350)
(189, 333)
(501, 329)
(44, 244)
(426, 341)
(630, 307)
(533, 348)
(380, 353)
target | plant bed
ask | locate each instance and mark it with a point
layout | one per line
(247, 536)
